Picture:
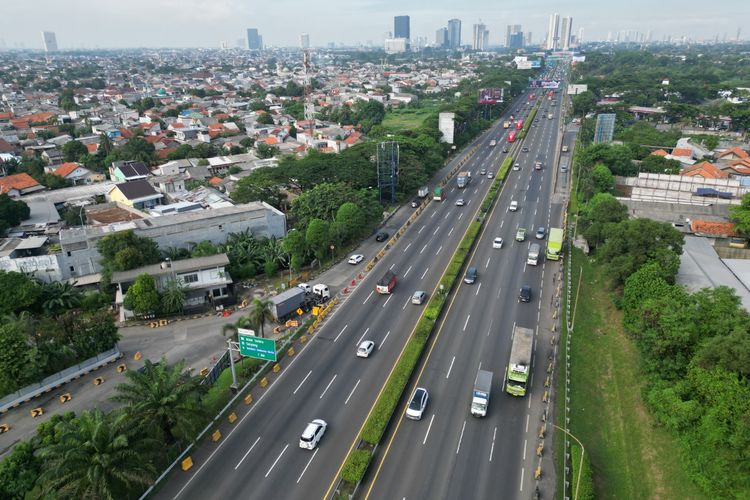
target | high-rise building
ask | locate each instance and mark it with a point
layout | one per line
(528, 39)
(254, 40)
(605, 127)
(401, 27)
(567, 29)
(516, 41)
(481, 38)
(49, 40)
(304, 41)
(441, 38)
(552, 31)
(395, 45)
(509, 30)
(454, 33)
(580, 36)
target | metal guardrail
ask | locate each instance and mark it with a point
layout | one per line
(54, 381)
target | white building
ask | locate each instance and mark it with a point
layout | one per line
(396, 45)
(445, 125)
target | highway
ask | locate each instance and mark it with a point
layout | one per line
(260, 456)
(449, 453)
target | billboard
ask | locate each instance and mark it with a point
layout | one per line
(544, 84)
(490, 96)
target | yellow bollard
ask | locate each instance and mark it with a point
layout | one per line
(541, 432)
(546, 382)
(187, 464)
(538, 472)
(290, 351)
(545, 397)
(203, 372)
(232, 417)
(248, 399)
(276, 368)
(216, 436)
(303, 339)
(64, 398)
(263, 382)
(137, 356)
(539, 449)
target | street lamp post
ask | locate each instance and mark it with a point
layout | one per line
(583, 451)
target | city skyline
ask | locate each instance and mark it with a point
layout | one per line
(192, 25)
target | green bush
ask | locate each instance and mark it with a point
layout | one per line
(355, 466)
(586, 484)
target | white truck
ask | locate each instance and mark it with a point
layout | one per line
(423, 192)
(480, 399)
(533, 258)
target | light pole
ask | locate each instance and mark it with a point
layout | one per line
(583, 451)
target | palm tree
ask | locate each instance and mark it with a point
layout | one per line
(165, 397)
(60, 296)
(260, 312)
(173, 297)
(96, 456)
(242, 322)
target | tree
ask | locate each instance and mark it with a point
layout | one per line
(12, 212)
(18, 292)
(67, 100)
(18, 365)
(173, 297)
(351, 220)
(124, 250)
(105, 144)
(584, 103)
(265, 119)
(98, 456)
(264, 151)
(74, 150)
(60, 296)
(247, 142)
(261, 310)
(659, 165)
(318, 238)
(598, 214)
(294, 244)
(203, 249)
(142, 296)
(90, 334)
(165, 398)
(139, 150)
(603, 179)
(740, 215)
(19, 471)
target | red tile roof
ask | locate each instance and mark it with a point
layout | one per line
(17, 181)
(93, 148)
(706, 170)
(38, 117)
(7, 115)
(740, 153)
(711, 228)
(270, 140)
(659, 152)
(66, 169)
(214, 181)
(682, 152)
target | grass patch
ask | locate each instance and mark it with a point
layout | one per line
(630, 456)
(219, 394)
(408, 118)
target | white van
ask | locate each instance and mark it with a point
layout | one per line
(533, 258)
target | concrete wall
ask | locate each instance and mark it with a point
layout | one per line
(672, 212)
(46, 268)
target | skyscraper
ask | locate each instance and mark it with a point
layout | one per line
(509, 30)
(304, 41)
(454, 33)
(580, 36)
(441, 38)
(567, 29)
(401, 27)
(516, 41)
(552, 31)
(254, 40)
(49, 40)
(481, 37)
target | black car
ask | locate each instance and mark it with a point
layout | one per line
(471, 275)
(505, 150)
(414, 203)
(525, 294)
(525, 149)
(381, 236)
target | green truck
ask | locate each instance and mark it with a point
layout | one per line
(438, 194)
(554, 243)
(519, 366)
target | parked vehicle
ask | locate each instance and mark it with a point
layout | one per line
(480, 399)
(321, 291)
(286, 303)
(520, 361)
(386, 284)
(554, 244)
(423, 192)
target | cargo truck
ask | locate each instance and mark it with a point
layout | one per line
(423, 192)
(480, 399)
(519, 366)
(437, 194)
(554, 243)
(386, 284)
(463, 179)
(533, 258)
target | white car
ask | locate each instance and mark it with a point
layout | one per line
(512, 208)
(417, 404)
(365, 349)
(356, 258)
(460, 202)
(497, 242)
(516, 166)
(490, 175)
(312, 434)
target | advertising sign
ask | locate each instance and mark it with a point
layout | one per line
(490, 96)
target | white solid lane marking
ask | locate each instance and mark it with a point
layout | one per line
(432, 215)
(478, 288)
(522, 471)
(407, 247)
(342, 331)
(386, 300)
(525, 442)
(303, 381)
(488, 263)
(436, 230)
(391, 268)
(460, 215)
(461, 437)
(467, 321)
(363, 335)
(428, 430)
(407, 271)
(277, 460)
(423, 248)
(350, 394)
(420, 229)
(406, 303)
(246, 454)
(425, 272)
(328, 386)
(438, 251)
(368, 297)
(449, 232)
(384, 339)
(492, 449)
(450, 367)
(308, 465)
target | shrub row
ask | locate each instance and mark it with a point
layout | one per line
(495, 187)
(529, 121)
(357, 462)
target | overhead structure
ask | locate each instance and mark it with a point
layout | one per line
(309, 104)
(387, 160)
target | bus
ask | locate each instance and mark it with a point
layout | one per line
(511, 137)
(554, 243)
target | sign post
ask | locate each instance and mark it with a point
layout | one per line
(256, 347)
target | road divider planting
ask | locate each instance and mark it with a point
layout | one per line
(529, 121)
(382, 412)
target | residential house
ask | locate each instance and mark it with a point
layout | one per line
(733, 154)
(52, 156)
(205, 279)
(705, 170)
(76, 173)
(170, 184)
(712, 229)
(138, 194)
(17, 185)
(125, 171)
(30, 256)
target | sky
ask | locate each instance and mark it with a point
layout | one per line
(205, 23)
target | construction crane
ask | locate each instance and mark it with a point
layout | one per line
(309, 104)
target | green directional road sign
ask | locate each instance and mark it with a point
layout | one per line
(257, 347)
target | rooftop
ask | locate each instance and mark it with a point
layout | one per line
(168, 267)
